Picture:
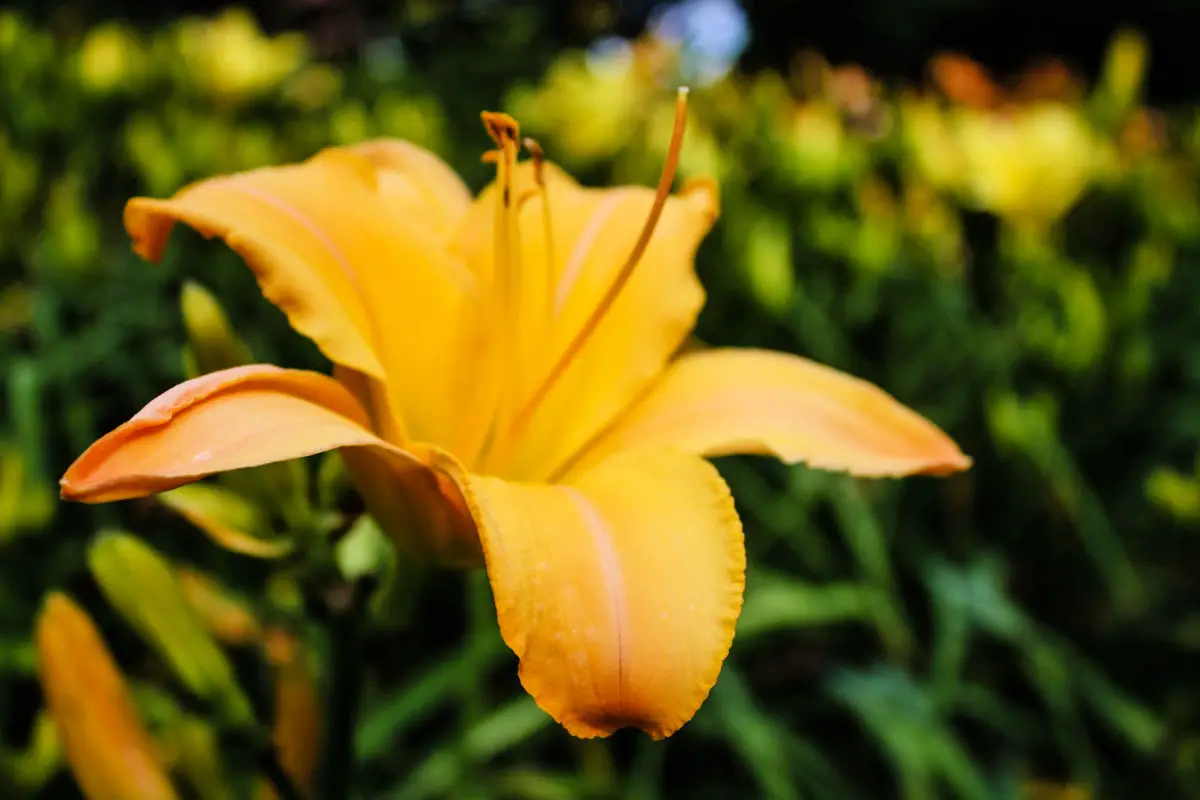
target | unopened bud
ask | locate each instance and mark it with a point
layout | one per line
(230, 520)
(141, 585)
(109, 751)
(224, 615)
(211, 341)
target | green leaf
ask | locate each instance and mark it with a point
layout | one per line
(776, 602)
(387, 720)
(501, 730)
(364, 550)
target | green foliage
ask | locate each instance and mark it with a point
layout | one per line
(1025, 276)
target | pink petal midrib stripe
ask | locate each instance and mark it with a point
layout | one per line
(573, 268)
(294, 213)
(609, 563)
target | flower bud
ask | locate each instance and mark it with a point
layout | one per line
(230, 520)
(141, 585)
(110, 753)
(213, 344)
(222, 614)
(198, 758)
(296, 730)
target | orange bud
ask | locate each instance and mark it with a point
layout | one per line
(225, 616)
(297, 729)
(110, 753)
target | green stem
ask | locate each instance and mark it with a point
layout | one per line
(345, 624)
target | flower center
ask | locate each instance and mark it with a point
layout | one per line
(513, 408)
(665, 180)
(505, 132)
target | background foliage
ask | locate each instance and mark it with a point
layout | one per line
(1016, 259)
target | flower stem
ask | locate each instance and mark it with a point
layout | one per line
(345, 623)
(273, 771)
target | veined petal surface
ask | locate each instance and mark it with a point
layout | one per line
(567, 268)
(727, 401)
(240, 417)
(366, 276)
(619, 591)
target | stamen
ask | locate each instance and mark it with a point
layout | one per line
(505, 131)
(666, 179)
(539, 176)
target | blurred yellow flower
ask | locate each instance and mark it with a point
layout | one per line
(110, 753)
(229, 57)
(1026, 164)
(592, 104)
(110, 57)
(930, 141)
(1032, 163)
(509, 389)
(817, 146)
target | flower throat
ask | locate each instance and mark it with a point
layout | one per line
(518, 411)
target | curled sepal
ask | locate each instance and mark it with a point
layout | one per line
(109, 751)
(228, 519)
(141, 585)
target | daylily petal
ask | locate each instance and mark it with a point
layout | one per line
(651, 318)
(726, 401)
(286, 223)
(379, 292)
(258, 414)
(418, 180)
(593, 232)
(235, 418)
(619, 591)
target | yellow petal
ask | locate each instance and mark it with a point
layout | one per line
(379, 292)
(619, 592)
(593, 232)
(417, 179)
(757, 401)
(279, 219)
(110, 753)
(421, 509)
(240, 417)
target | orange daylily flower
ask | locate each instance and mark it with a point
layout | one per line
(509, 388)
